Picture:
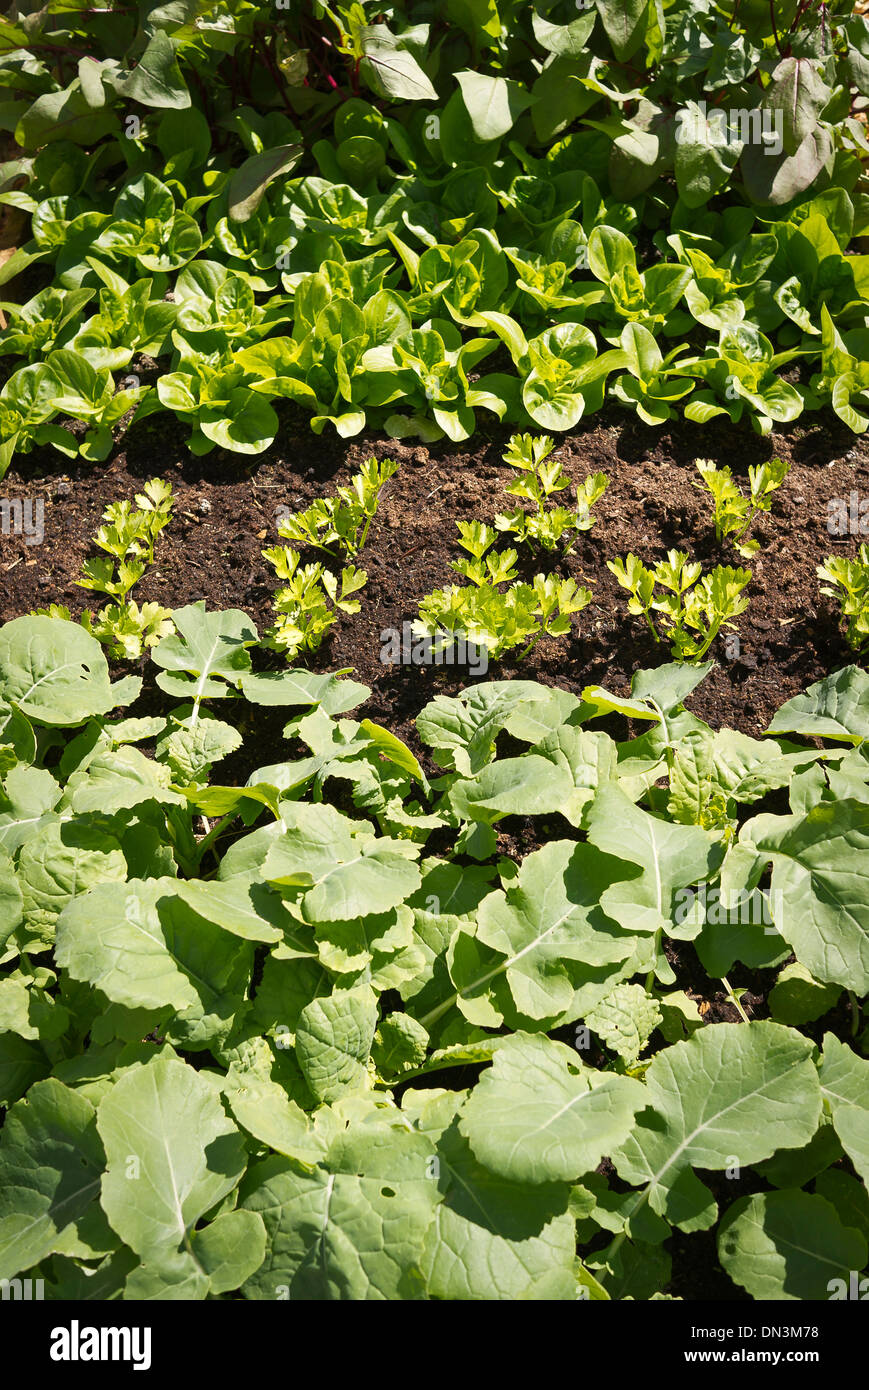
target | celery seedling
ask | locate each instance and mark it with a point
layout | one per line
(341, 523)
(128, 536)
(850, 585)
(693, 608)
(308, 604)
(541, 478)
(733, 512)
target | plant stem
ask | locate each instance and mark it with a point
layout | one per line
(734, 1001)
(775, 27)
(205, 844)
(855, 1012)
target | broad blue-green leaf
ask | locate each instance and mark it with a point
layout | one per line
(51, 1160)
(167, 1276)
(355, 1228)
(31, 793)
(463, 728)
(671, 856)
(118, 780)
(145, 948)
(538, 1115)
(190, 752)
(333, 1042)
(845, 1088)
(172, 1154)
(11, 905)
(26, 1008)
(836, 707)
(529, 785)
(588, 758)
(798, 998)
(245, 908)
(491, 1238)
(347, 870)
(625, 1020)
(230, 1249)
(21, 1063)
(264, 1109)
(351, 946)
(541, 950)
(206, 655)
(819, 892)
(332, 693)
(729, 1095)
(789, 1245)
(56, 673)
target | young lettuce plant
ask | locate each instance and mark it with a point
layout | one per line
(541, 478)
(693, 609)
(733, 512)
(48, 320)
(310, 601)
(645, 297)
(848, 581)
(341, 523)
(486, 616)
(652, 381)
(740, 371)
(128, 537)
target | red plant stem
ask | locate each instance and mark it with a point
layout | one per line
(775, 27)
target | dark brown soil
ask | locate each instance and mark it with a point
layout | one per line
(225, 514)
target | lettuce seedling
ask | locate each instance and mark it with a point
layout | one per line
(742, 370)
(733, 512)
(646, 297)
(693, 608)
(341, 523)
(849, 583)
(652, 381)
(130, 321)
(542, 478)
(308, 604)
(48, 320)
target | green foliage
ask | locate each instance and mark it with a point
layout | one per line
(309, 602)
(733, 512)
(543, 478)
(848, 582)
(487, 616)
(357, 231)
(342, 521)
(203, 1031)
(693, 606)
(128, 536)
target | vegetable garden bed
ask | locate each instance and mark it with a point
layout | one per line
(434, 845)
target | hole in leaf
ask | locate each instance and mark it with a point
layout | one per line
(387, 1192)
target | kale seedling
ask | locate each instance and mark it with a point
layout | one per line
(733, 512)
(341, 523)
(692, 608)
(541, 478)
(850, 585)
(310, 601)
